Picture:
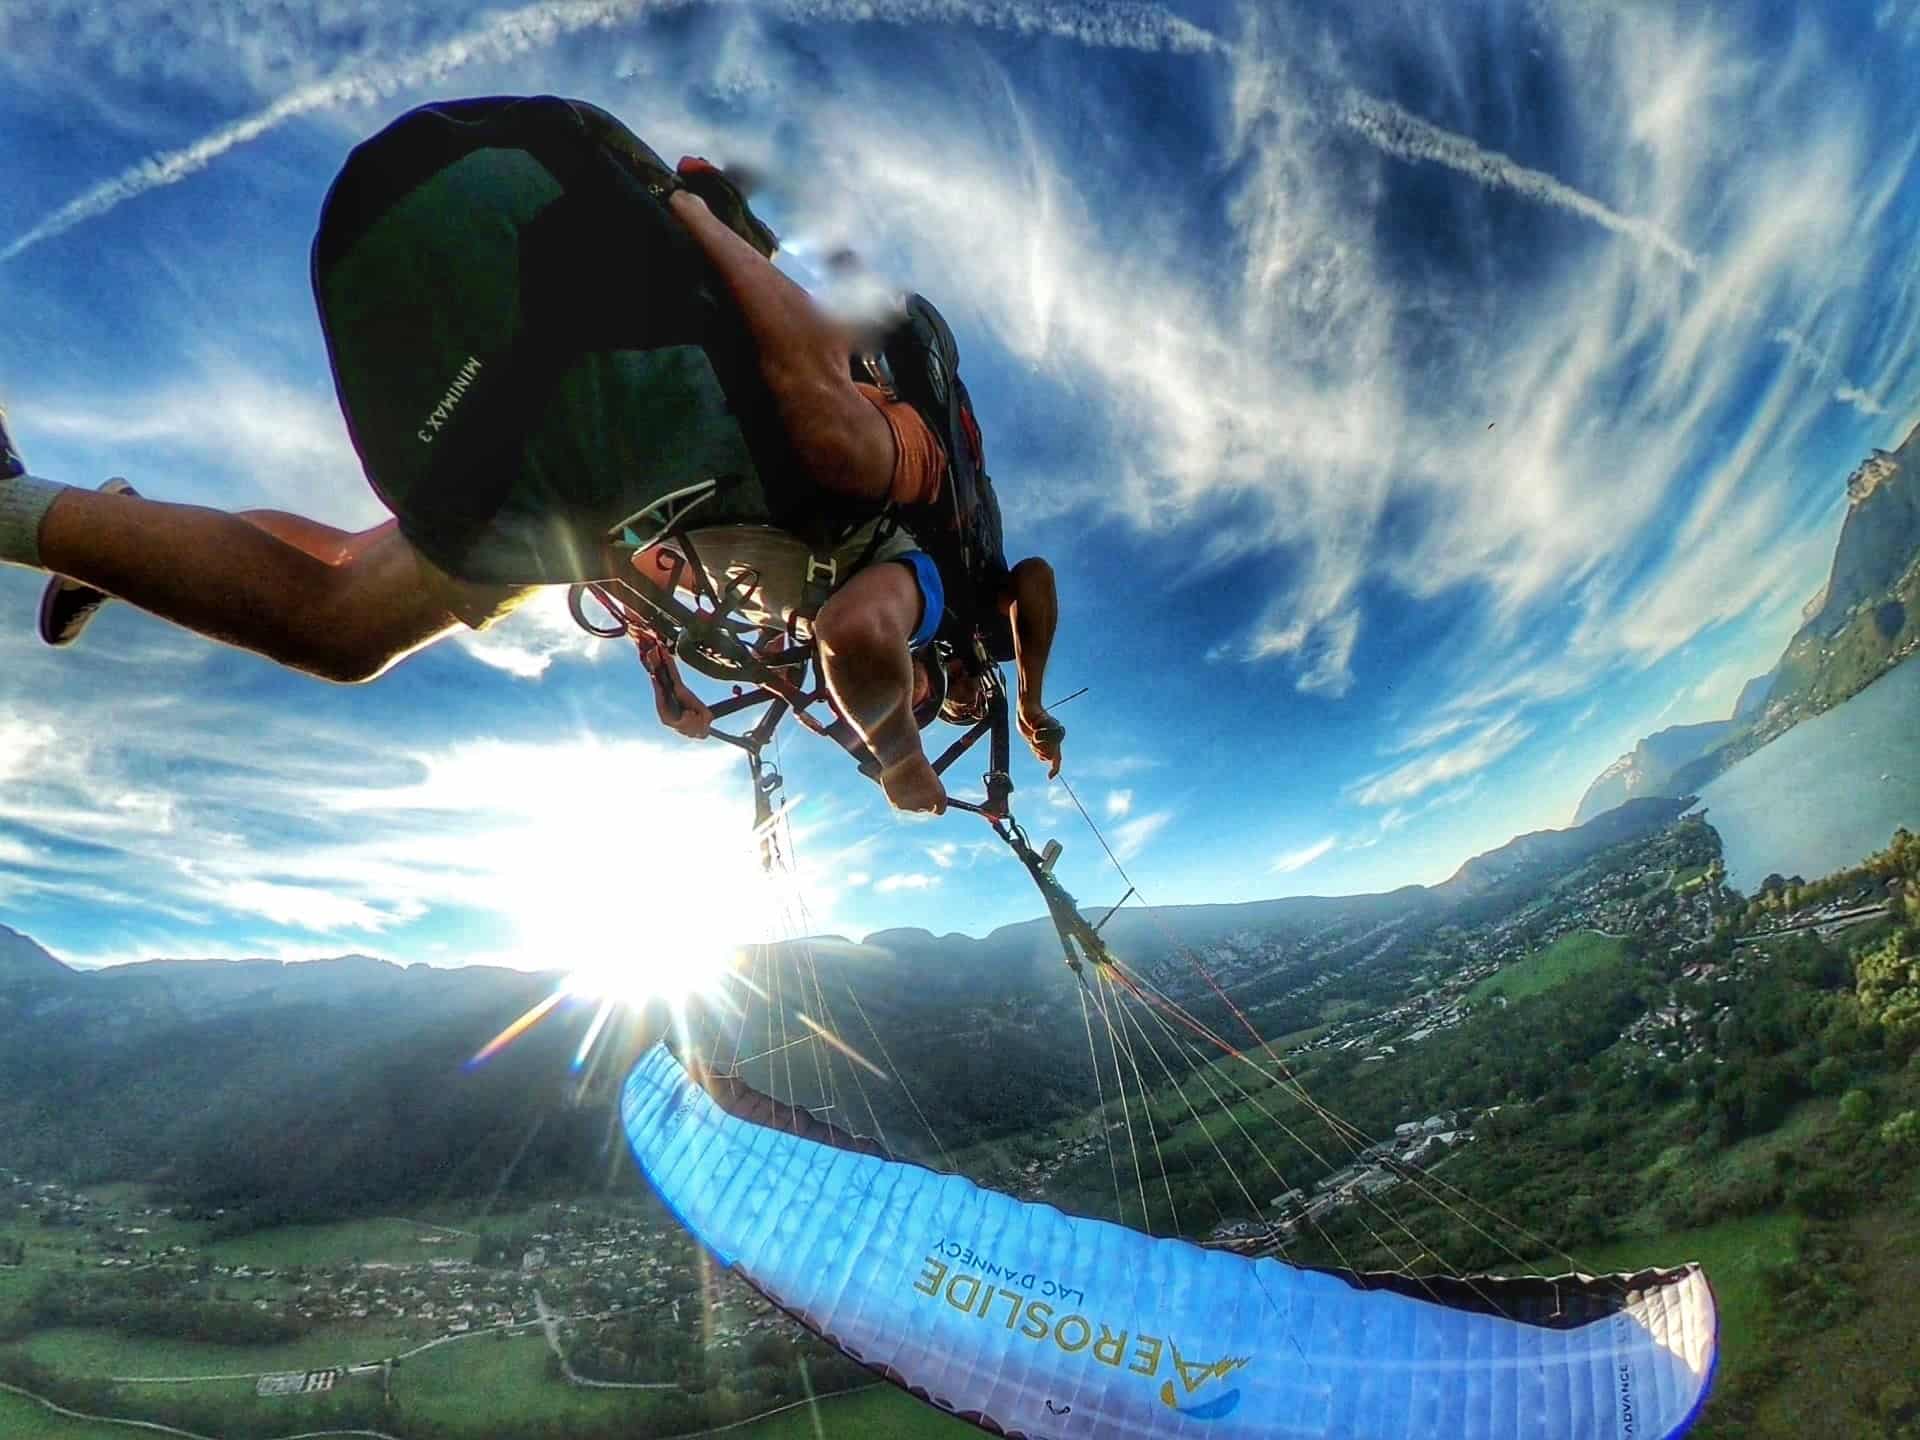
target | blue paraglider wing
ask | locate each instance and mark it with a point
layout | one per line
(1031, 1322)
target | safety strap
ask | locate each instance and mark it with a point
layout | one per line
(823, 576)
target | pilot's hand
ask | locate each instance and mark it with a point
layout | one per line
(1044, 735)
(692, 719)
(679, 709)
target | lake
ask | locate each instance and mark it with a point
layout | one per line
(1829, 792)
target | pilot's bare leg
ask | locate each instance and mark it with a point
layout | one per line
(862, 633)
(229, 578)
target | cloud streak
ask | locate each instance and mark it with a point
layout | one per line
(1292, 860)
(533, 27)
(1395, 131)
(504, 38)
(1441, 767)
(1131, 837)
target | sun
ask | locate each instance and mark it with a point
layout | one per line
(632, 870)
(654, 931)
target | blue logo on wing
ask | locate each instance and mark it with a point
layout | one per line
(1192, 1376)
(1214, 1409)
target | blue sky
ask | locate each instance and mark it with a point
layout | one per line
(1419, 404)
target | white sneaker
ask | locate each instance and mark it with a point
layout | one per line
(11, 465)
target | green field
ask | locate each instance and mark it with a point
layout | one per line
(394, 1241)
(506, 1380)
(23, 1420)
(881, 1410)
(1568, 956)
(450, 1384)
(17, 1282)
(103, 1353)
(1747, 1162)
(1839, 1376)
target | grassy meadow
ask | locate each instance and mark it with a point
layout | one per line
(880, 1411)
(22, 1419)
(1567, 957)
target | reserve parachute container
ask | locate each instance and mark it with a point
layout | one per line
(529, 349)
(1031, 1322)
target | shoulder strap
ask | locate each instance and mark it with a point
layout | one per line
(923, 359)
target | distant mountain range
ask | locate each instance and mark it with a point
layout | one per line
(315, 1088)
(1867, 617)
(1644, 770)
(1861, 623)
(22, 958)
(1525, 861)
(1752, 698)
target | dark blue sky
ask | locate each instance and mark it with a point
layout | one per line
(1240, 290)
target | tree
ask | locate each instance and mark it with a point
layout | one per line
(1856, 1107)
(1901, 1134)
(1887, 979)
(1830, 1076)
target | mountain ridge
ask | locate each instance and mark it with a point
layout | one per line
(1643, 770)
(224, 984)
(22, 956)
(306, 1090)
(1858, 625)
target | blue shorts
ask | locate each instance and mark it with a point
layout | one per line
(933, 596)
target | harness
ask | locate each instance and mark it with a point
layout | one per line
(776, 671)
(917, 363)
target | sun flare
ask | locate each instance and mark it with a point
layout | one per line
(631, 868)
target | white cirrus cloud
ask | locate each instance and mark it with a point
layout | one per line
(526, 644)
(1861, 400)
(509, 35)
(306, 907)
(288, 443)
(196, 821)
(1131, 837)
(1442, 767)
(1318, 417)
(1119, 804)
(1397, 132)
(1292, 860)
(905, 880)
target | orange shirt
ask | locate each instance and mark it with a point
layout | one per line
(919, 460)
